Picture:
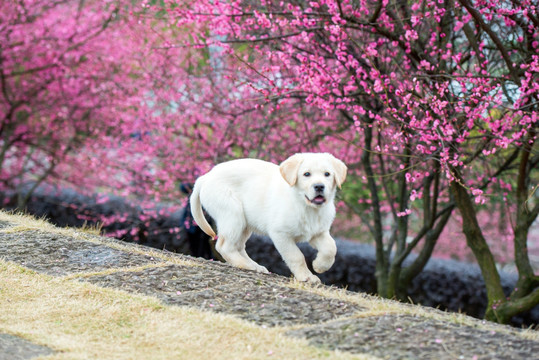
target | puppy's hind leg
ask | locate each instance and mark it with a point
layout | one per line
(245, 236)
(232, 234)
(232, 255)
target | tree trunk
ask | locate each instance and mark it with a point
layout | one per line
(526, 293)
(522, 225)
(381, 270)
(482, 253)
(395, 268)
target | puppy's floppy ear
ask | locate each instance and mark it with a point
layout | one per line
(289, 168)
(340, 171)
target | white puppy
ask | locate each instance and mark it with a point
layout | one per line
(290, 203)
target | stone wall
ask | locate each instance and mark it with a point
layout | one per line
(446, 284)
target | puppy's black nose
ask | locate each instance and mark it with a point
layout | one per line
(319, 187)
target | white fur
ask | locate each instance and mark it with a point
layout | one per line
(247, 195)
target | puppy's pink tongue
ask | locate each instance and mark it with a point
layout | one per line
(318, 200)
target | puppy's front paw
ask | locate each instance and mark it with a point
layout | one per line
(321, 264)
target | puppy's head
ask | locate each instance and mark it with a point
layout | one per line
(315, 175)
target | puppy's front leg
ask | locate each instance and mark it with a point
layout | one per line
(327, 249)
(293, 257)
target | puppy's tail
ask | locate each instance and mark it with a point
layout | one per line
(196, 210)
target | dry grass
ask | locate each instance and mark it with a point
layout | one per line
(81, 321)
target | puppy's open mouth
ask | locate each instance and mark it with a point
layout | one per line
(317, 200)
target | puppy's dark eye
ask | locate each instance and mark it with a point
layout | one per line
(326, 174)
(307, 174)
